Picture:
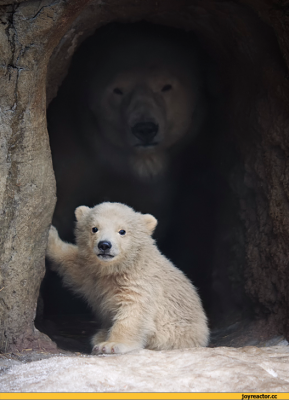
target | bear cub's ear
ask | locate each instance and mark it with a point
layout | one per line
(80, 212)
(150, 222)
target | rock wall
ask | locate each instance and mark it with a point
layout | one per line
(28, 34)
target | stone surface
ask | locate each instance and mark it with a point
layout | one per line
(223, 369)
(27, 183)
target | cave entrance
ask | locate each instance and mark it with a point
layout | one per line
(212, 200)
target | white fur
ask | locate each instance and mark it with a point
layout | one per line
(144, 301)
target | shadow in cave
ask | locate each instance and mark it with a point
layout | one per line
(192, 198)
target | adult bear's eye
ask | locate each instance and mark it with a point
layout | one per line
(166, 88)
(117, 91)
(121, 232)
(94, 229)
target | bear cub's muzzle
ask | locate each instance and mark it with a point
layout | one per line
(104, 248)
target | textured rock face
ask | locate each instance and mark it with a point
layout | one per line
(246, 44)
(27, 184)
(249, 369)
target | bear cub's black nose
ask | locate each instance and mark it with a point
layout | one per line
(104, 245)
(145, 131)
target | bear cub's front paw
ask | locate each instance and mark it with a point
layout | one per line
(52, 245)
(53, 235)
(114, 348)
(53, 238)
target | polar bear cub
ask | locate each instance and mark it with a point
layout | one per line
(143, 300)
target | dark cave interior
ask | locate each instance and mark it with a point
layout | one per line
(212, 194)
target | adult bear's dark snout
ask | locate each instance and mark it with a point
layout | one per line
(145, 132)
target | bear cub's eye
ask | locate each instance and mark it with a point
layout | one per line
(121, 232)
(117, 91)
(94, 229)
(166, 88)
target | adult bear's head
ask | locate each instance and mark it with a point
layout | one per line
(142, 94)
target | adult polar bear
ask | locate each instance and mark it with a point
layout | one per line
(132, 97)
(143, 98)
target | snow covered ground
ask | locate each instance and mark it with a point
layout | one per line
(220, 369)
